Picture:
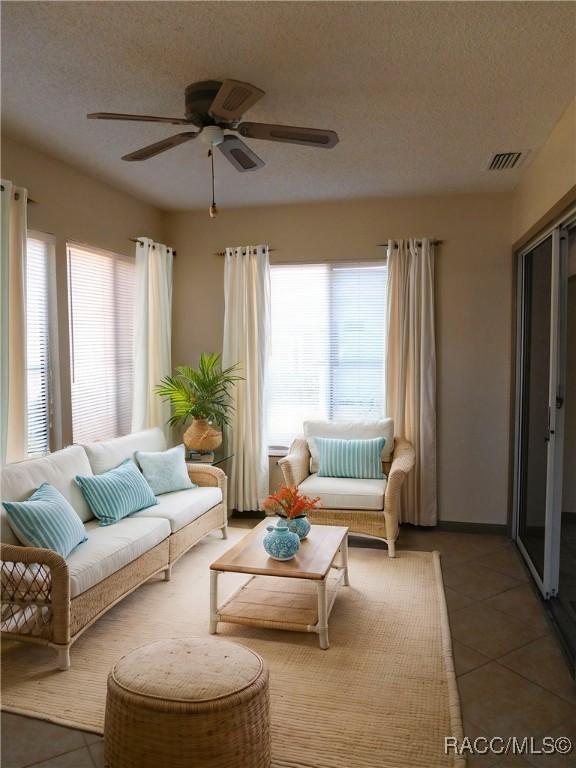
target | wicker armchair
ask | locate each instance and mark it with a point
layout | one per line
(381, 523)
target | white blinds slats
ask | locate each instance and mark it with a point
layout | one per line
(37, 346)
(101, 308)
(328, 344)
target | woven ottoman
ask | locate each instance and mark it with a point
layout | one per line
(199, 702)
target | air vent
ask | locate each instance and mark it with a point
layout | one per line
(504, 161)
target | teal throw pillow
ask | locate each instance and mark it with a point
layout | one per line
(117, 493)
(165, 471)
(46, 520)
(350, 458)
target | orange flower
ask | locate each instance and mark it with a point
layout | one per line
(289, 502)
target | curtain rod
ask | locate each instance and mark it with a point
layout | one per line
(136, 240)
(17, 195)
(223, 253)
(418, 242)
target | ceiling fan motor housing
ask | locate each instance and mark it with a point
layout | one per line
(199, 98)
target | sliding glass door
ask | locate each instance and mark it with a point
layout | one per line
(539, 414)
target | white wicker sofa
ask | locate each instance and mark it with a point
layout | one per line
(51, 600)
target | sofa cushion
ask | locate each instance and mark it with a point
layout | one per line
(117, 493)
(19, 481)
(345, 492)
(110, 548)
(110, 453)
(349, 430)
(165, 471)
(181, 507)
(46, 520)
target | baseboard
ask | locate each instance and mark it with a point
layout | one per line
(249, 515)
(457, 527)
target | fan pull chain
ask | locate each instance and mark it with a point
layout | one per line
(213, 210)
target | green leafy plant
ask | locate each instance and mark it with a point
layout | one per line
(202, 393)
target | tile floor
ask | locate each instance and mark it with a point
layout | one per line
(512, 676)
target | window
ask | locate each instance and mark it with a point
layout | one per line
(101, 303)
(39, 249)
(328, 345)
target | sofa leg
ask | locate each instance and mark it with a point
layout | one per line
(224, 530)
(63, 658)
(168, 573)
(391, 548)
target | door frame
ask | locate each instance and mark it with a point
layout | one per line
(558, 230)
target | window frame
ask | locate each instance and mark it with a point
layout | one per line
(382, 261)
(106, 252)
(54, 393)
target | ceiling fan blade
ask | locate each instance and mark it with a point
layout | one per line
(233, 99)
(160, 146)
(240, 155)
(137, 118)
(310, 137)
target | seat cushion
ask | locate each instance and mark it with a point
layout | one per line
(349, 430)
(345, 492)
(181, 507)
(110, 453)
(110, 548)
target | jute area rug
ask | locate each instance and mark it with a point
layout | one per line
(383, 696)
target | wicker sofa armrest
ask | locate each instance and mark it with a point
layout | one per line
(402, 463)
(207, 475)
(295, 465)
(35, 584)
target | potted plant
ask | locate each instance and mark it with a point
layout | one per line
(202, 395)
(292, 506)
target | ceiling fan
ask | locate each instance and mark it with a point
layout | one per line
(215, 107)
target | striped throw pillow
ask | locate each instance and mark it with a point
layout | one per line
(350, 458)
(46, 520)
(117, 493)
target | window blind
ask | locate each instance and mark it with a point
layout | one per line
(37, 346)
(328, 328)
(101, 309)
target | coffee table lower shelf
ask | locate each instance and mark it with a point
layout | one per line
(272, 602)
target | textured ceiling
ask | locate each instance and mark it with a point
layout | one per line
(420, 93)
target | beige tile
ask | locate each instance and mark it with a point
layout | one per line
(507, 560)
(26, 741)
(502, 703)
(97, 752)
(78, 759)
(466, 659)
(456, 600)
(523, 603)
(491, 632)
(475, 581)
(558, 760)
(543, 663)
(478, 760)
(91, 738)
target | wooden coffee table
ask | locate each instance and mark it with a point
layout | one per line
(296, 594)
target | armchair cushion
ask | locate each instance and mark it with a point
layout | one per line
(345, 492)
(350, 458)
(348, 430)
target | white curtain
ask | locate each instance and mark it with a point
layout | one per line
(411, 370)
(152, 333)
(246, 341)
(13, 421)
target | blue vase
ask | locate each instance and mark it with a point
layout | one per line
(301, 526)
(280, 542)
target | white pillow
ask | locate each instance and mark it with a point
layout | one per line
(348, 430)
(165, 471)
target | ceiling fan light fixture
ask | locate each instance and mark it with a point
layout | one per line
(212, 135)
